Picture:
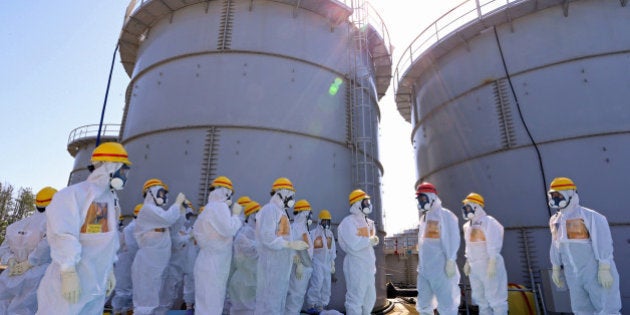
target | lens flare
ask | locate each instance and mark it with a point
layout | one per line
(334, 87)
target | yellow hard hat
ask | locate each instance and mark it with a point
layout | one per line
(282, 183)
(562, 183)
(243, 200)
(324, 215)
(302, 205)
(136, 209)
(474, 198)
(110, 152)
(44, 197)
(251, 207)
(357, 195)
(152, 182)
(222, 181)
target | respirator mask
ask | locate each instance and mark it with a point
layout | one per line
(119, 178)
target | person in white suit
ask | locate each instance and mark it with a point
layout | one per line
(357, 237)
(438, 242)
(582, 249)
(214, 231)
(324, 254)
(26, 252)
(154, 245)
(81, 229)
(484, 264)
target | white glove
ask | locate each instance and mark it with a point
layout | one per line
(299, 271)
(604, 277)
(180, 199)
(111, 283)
(332, 267)
(556, 276)
(19, 268)
(467, 268)
(70, 286)
(237, 209)
(374, 240)
(492, 268)
(297, 245)
(450, 268)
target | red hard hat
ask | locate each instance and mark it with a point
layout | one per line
(426, 187)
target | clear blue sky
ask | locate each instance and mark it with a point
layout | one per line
(54, 63)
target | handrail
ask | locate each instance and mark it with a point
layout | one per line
(449, 22)
(91, 131)
(373, 14)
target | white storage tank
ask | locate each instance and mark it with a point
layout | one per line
(505, 96)
(256, 90)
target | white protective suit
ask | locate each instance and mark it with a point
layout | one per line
(324, 254)
(242, 286)
(192, 251)
(154, 252)
(273, 233)
(82, 233)
(438, 241)
(484, 239)
(297, 287)
(214, 231)
(25, 240)
(580, 241)
(359, 265)
(122, 300)
(173, 275)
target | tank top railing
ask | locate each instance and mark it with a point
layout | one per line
(91, 131)
(464, 13)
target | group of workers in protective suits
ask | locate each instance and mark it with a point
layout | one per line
(581, 253)
(66, 258)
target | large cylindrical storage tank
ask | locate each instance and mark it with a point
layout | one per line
(255, 90)
(504, 100)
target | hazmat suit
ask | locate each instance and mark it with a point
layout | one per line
(302, 260)
(242, 286)
(357, 237)
(122, 300)
(173, 276)
(581, 243)
(484, 264)
(324, 254)
(275, 249)
(192, 250)
(438, 242)
(214, 231)
(26, 252)
(82, 232)
(154, 245)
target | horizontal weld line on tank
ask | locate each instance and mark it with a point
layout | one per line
(233, 51)
(602, 134)
(128, 92)
(188, 127)
(483, 84)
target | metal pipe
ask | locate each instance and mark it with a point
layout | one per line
(109, 81)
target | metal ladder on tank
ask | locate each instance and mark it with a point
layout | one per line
(362, 133)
